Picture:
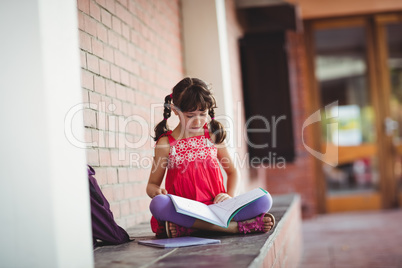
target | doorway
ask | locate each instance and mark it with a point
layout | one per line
(357, 77)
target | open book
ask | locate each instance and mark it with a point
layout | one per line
(219, 214)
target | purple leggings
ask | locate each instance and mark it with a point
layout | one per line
(163, 209)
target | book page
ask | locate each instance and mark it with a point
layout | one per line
(195, 209)
(224, 210)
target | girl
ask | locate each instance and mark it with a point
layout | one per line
(190, 153)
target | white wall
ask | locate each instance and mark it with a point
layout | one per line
(45, 216)
(206, 54)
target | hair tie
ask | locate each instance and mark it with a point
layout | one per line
(164, 118)
(171, 96)
(212, 118)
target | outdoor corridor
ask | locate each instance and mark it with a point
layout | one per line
(355, 240)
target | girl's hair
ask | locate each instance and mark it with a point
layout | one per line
(188, 95)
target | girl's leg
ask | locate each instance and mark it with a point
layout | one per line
(252, 210)
(233, 227)
(249, 212)
(163, 209)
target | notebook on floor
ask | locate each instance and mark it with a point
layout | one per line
(177, 242)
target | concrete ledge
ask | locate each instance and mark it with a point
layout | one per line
(280, 247)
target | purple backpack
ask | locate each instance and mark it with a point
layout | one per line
(104, 227)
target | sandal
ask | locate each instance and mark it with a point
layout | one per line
(180, 230)
(158, 227)
(255, 226)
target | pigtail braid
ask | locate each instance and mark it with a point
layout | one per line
(216, 128)
(162, 127)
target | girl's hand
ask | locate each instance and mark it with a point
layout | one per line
(154, 190)
(160, 191)
(221, 197)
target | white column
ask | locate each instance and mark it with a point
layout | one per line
(45, 215)
(206, 53)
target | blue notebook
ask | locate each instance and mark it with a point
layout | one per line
(178, 242)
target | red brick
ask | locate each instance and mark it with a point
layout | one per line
(110, 6)
(102, 33)
(94, 98)
(83, 59)
(85, 96)
(92, 157)
(90, 25)
(125, 31)
(132, 7)
(81, 24)
(134, 37)
(116, 24)
(113, 39)
(99, 82)
(111, 139)
(104, 157)
(124, 3)
(128, 191)
(108, 53)
(100, 175)
(89, 118)
(83, 5)
(130, 95)
(133, 85)
(104, 68)
(120, 59)
(118, 191)
(123, 45)
(101, 3)
(134, 68)
(110, 88)
(96, 138)
(111, 175)
(124, 77)
(118, 109)
(94, 11)
(85, 41)
(93, 63)
(125, 208)
(106, 18)
(115, 159)
(114, 73)
(122, 174)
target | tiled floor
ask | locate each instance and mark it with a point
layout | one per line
(355, 240)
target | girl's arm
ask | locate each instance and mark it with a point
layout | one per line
(231, 172)
(158, 168)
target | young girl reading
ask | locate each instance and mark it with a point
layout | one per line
(190, 154)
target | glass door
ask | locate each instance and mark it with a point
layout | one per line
(347, 95)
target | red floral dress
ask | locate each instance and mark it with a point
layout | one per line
(193, 170)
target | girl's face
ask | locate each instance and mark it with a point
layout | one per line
(193, 122)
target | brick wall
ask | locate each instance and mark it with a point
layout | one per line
(131, 56)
